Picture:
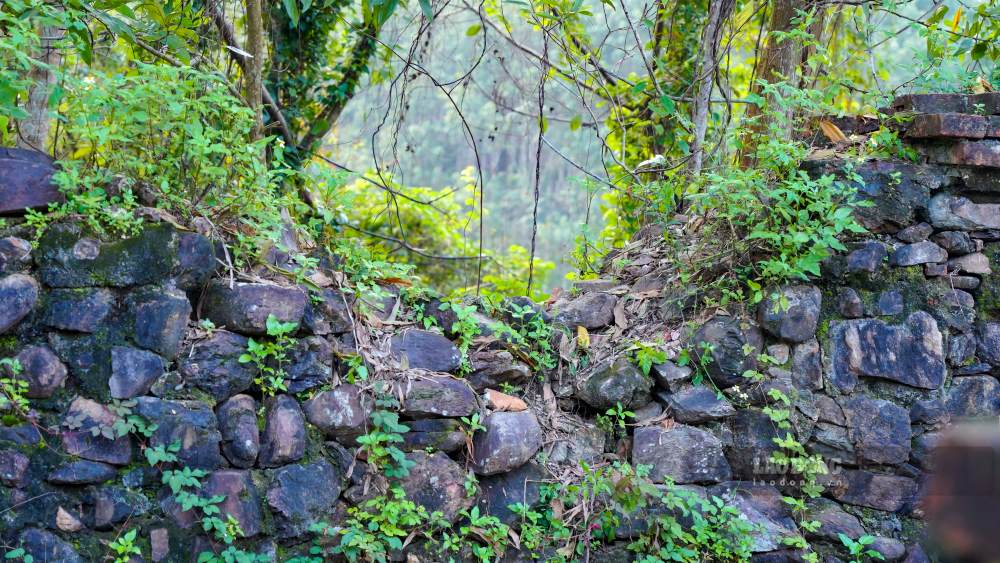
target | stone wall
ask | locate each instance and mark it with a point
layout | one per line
(900, 338)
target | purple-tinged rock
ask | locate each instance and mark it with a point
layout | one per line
(18, 293)
(924, 252)
(683, 453)
(301, 495)
(890, 493)
(213, 365)
(422, 349)
(868, 258)
(793, 314)
(961, 214)
(26, 181)
(341, 413)
(438, 484)
(77, 310)
(15, 255)
(85, 415)
(13, 468)
(284, 437)
(509, 440)
(696, 404)
(915, 233)
(161, 317)
(240, 434)
(849, 304)
(957, 243)
(192, 423)
(911, 353)
(245, 307)
(880, 430)
(43, 371)
(432, 397)
(734, 347)
(42, 545)
(133, 371)
(81, 472)
(613, 382)
(590, 310)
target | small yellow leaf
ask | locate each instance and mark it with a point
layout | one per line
(83, 150)
(958, 18)
(582, 337)
(832, 132)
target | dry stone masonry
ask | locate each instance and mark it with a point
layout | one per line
(897, 340)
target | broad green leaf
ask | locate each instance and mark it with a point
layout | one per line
(425, 7)
(292, 9)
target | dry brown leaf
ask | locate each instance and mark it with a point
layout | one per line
(822, 153)
(832, 132)
(668, 424)
(550, 399)
(394, 281)
(567, 347)
(621, 321)
(568, 550)
(582, 337)
(652, 420)
(557, 509)
(320, 279)
(556, 294)
(514, 538)
(503, 402)
(645, 294)
(982, 85)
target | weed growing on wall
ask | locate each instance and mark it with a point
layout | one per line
(269, 356)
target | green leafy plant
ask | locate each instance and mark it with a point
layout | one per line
(18, 553)
(484, 536)
(357, 370)
(793, 459)
(12, 389)
(163, 453)
(269, 356)
(379, 444)
(698, 359)
(465, 326)
(646, 354)
(858, 549)
(123, 547)
(472, 424)
(471, 484)
(529, 336)
(615, 419)
(186, 490)
(126, 422)
(378, 527)
(682, 527)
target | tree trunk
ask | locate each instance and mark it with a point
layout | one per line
(780, 62)
(33, 131)
(718, 13)
(255, 66)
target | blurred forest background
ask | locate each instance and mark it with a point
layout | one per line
(424, 143)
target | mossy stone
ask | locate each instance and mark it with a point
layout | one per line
(67, 256)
